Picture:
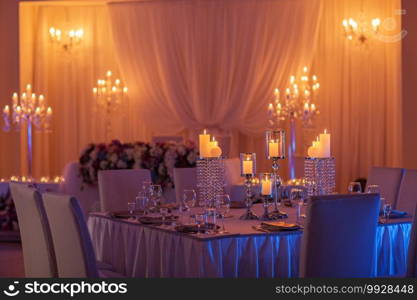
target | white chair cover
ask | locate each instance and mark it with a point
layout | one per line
(117, 187)
(407, 196)
(184, 179)
(164, 139)
(38, 251)
(388, 179)
(73, 248)
(412, 250)
(339, 236)
(88, 196)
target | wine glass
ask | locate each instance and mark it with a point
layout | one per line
(223, 207)
(156, 193)
(297, 198)
(373, 189)
(146, 187)
(189, 200)
(387, 209)
(131, 207)
(142, 203)
(355, 187)
(164, 212)
(199, 220)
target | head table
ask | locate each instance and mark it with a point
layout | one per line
(137, 250)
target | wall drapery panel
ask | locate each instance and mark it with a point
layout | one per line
(194, 64)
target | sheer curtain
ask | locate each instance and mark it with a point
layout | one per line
(360, 98)
(194, 64)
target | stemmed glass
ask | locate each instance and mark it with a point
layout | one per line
(155, 191)
(131, 207)
(223, 206)
(387, 209)
(297, 198)
(199, 220)
(189, 200)
(164, 212)
(142, 202)
(355, 188)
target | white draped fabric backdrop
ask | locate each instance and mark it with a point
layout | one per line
(195, 64)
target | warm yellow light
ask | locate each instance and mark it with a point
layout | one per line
(108, 73)
(125, 90)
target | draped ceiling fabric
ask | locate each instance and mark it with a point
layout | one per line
(194, 64)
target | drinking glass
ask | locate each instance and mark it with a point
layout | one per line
(297, 198)
(223, 208)
(146, 187)
(142, 203)
(373, 189)
(131, 207)
(355, 188)
(210, 218)
(189, 200)
(164, 212)
(387, 208)
(199, 220)
(156, 193)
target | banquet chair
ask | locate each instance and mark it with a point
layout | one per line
(165, 139)
(339, 236)
(74, 251)
(388, 179)
(118, 187)
(407, 195)
(87, 195)
(412, 250)
(38, 250)
(184, 179)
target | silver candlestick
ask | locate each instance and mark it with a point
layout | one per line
(249, 214)
(247, 170)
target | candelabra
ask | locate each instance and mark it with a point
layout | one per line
(247, 170)
(275, 150)
(359, 30)
(297, 104)
(109, 94)
(27, 110)
(67, 39)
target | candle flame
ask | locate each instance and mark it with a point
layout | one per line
(205, 131)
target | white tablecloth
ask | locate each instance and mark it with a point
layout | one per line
(136, 250)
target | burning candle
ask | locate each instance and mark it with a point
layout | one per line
(266, 185)
(6, 110)
(247, 163)
(325, 144)
(204, 144)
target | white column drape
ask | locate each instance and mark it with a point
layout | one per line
(211, 63)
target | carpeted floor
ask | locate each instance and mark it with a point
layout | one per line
(11, 260)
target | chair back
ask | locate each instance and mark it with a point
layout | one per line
(38, 250)
(407, 195)
(87, 195)
(118, 187)
(339, 236)
(388, 179)
(165, 139)
(73, 247)
(184, 179)
(412, 250)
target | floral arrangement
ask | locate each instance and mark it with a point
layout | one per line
(159, 158)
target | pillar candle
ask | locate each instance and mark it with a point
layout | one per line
(266, 187)
(273, 149)
(215, 151)
(247, 167)
(204, 144)
(325, 144)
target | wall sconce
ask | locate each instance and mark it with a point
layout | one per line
(359, 30)
(67, 39)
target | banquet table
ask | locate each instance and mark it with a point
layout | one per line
(138, 250)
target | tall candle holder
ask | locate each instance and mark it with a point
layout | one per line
(247, 170)
(210, 179)
(266, 180)
(275, 150)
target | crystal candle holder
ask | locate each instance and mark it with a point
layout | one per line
(275, 144)
(247, 170)
(210, 180)
(247, 164)
(320, 175)
(267, 182)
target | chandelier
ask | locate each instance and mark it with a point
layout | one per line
(27, 107)
(298, 102)
(67, 39)
(28, 110)
(109, 94)
(359, 30)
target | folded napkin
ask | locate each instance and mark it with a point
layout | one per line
(395, 214)
(124, 214)
(279, 226)
(156, 220)
(193, 228)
